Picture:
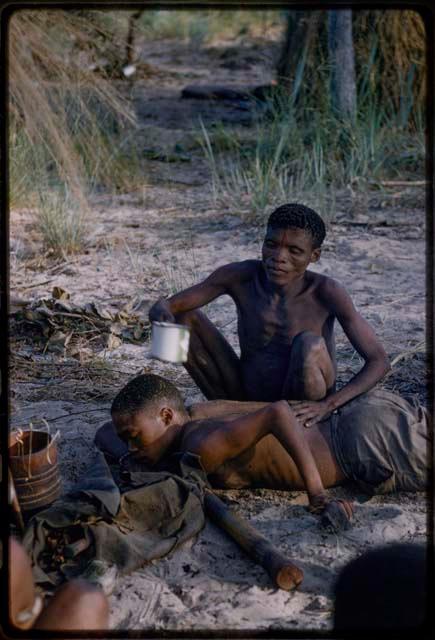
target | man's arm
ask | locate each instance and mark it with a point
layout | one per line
(217, 284)
(365, 342)
(220, 440)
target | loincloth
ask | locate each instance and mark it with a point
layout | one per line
(381, 442)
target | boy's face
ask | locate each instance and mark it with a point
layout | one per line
(144, 433)
(287, 253)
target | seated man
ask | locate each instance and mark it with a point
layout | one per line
(378, 440)
(286, 315)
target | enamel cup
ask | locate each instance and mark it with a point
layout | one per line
(170, 342)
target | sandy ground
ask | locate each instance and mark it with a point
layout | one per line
(163, 237)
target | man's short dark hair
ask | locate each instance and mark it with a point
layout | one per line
(384, 589)
(145, 391)
(298, 216)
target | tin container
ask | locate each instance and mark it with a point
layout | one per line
(35, 470)
(170, 342)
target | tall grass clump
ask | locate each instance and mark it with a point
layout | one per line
(63, 119)
(61, 222)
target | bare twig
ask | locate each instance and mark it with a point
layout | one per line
(404, 183)
(36, 284)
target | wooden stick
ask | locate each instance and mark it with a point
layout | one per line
(283, 572)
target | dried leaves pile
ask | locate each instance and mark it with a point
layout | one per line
(78, 331)
(56, 347)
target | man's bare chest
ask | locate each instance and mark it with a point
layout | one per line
(261, 319)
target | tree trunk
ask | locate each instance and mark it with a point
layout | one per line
(129, 46)
(342, 61)
(302, 29)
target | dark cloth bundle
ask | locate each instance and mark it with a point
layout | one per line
(104, 528)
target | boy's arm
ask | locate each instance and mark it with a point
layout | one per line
(365, 342)
(217, 284)
(220, 440)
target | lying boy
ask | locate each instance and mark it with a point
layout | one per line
(286, 317)
(378, 440)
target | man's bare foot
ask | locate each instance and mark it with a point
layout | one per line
(336, 515)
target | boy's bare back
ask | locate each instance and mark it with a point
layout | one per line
(265, 464)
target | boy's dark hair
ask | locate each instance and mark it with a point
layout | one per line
(146, 390)
(298, 216)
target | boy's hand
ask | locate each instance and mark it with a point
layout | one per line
(160, 312)
(310, 412)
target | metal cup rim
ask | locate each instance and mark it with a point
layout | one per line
(171, 324)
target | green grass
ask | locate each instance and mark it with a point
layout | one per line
(305, 153)
(203, 26)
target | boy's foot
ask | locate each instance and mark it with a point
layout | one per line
(335, 514)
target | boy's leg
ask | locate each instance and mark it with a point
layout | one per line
(311, 373)
(212, 362)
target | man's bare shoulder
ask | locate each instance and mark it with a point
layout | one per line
(234, 277)
(328, 290)
(242, 271)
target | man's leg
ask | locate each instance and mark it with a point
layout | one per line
(212, 362)
(24, 603)
(76, 605)
(311, 373)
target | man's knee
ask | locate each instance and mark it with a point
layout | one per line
(85, 594)
(309, 345)
(76, 605)
(311, 364)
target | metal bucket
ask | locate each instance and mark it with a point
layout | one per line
(170, 342)
(34, 467)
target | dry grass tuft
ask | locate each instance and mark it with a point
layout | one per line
(399, 37)
(58, 111)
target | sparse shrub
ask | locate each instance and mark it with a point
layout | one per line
(61, 221)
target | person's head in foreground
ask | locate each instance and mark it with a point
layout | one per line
(293, 240)
(383, 589)
(148, 414)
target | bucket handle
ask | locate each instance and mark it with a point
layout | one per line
(56, 435)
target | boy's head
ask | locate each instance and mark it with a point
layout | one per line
(143, 412)
(298, 216)
(293, 239)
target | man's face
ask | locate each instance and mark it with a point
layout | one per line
(287, 253)
(144, 433)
